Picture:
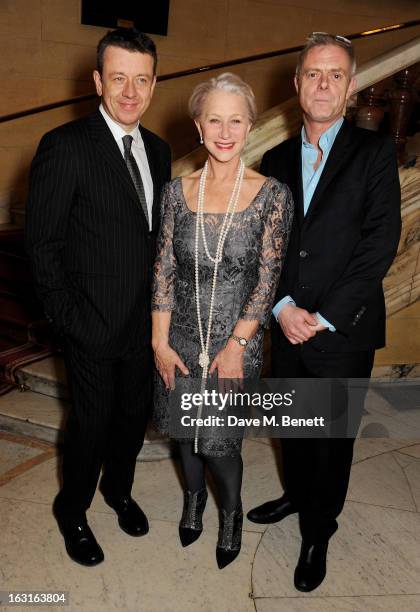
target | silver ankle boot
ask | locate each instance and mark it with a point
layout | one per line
(191, 525)
(230, 536)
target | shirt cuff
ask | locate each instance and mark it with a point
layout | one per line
(324, 322)
(278, 307)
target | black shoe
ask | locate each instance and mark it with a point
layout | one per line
(191, 524)
(312, 566)
(272, 511)
(131, 517)
(81, 544)
(230, 537)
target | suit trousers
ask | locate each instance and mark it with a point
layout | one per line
(317, 470)
(111, 404)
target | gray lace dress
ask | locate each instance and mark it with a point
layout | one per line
(248, 276)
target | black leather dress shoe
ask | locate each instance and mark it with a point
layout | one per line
(81, 544)
(312, 566)
(131, 517)
(272, 511)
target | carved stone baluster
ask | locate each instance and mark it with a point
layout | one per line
(371, 110)
(401, 105)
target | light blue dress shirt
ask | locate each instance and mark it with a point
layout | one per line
(310, 180)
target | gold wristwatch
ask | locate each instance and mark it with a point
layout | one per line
(239, 340)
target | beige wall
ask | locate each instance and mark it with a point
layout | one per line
(46, 55)
(402, 338)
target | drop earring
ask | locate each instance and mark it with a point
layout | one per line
(201, 140)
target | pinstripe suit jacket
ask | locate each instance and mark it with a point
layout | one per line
(87, 236)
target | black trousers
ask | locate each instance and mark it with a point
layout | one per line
(111, 402)
(317, 470)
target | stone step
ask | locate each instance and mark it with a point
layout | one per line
(43, 417)
(32, 414)
(47, 376)
(46, 392)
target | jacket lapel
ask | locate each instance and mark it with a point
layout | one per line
(293, 178)
(337, 159)
(109, 150)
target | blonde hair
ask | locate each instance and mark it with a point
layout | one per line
(229, 82)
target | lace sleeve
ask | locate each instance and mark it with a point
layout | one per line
(277, 228)
(165, 262)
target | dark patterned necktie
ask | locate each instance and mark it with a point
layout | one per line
(135, 174)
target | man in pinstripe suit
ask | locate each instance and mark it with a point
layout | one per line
(92, 218)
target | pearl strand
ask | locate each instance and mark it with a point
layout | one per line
(227, 222)
(200, 207)
(204, 359)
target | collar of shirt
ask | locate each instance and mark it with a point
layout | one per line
(327, 139)
(118, 132)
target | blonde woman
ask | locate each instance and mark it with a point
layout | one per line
(222, 241)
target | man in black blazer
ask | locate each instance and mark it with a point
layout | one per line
(92, 219)
(330, 310)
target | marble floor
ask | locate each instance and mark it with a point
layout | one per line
(373, 563)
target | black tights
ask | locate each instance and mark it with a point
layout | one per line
(226, 473)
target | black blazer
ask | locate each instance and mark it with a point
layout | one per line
(339, 253)
(87, 236)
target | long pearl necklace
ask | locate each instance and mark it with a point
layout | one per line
(204, 359)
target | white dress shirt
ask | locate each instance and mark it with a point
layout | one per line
(139, 153)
